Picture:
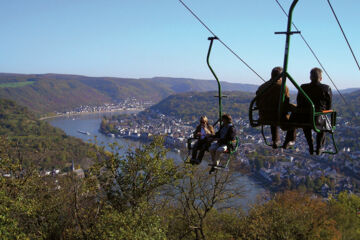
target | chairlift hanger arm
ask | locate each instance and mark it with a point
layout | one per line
(212, 71)
(286, 58)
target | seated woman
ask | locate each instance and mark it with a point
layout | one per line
(222, 140)
(203, 131)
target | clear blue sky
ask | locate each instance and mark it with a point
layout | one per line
(147, 38)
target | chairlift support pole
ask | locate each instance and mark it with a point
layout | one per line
(285, 73)
(218, 82)
(286, 59)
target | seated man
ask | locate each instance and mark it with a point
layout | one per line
(222, 139)
(268, 95)
(321, 96)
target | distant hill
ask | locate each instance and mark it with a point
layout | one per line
(180, 85)
(36, 142)
(191, 105)
(348, 90)
(50, 92)
(43, 93)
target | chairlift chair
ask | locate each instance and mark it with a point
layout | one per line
(329, 115)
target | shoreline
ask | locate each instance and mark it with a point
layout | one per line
(89, 113)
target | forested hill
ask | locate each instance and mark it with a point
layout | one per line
(48, 93)
(43, 93)
(189, 106)
(36, 143)
(180, 85)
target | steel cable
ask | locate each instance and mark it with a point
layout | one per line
(352, 52)
(225, 45)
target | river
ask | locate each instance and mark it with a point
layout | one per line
(90, 123)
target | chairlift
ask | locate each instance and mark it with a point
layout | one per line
(235, 143)
(328, 115)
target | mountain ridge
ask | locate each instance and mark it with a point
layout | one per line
(62, 92)
(52, 92)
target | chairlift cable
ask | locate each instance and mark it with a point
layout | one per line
(225, 45)
(318, 60)
(352, 52)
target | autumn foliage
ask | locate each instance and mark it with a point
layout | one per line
(144, 195)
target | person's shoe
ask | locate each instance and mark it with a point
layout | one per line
(288, 145)
(212, 169)
(311, 150)
(276, 144)
(319, 151)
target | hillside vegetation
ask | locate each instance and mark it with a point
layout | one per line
(48, 94)
(36, 142)
(119, 199)
(189, 106)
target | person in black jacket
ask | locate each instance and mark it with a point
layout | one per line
(268, 95)
(222, 139)
(321, 96)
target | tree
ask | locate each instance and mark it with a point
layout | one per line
(137, 176)
(345, 210)
(129, 187)
(9, 226)
(32, 206)
(141, 223)
(195, 197)
(291, 215)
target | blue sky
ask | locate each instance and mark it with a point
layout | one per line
(147, 38)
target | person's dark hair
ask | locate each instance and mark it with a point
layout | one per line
(276, 71)
(227, 117)
(315, 74)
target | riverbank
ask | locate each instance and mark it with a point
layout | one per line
(70, 114)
